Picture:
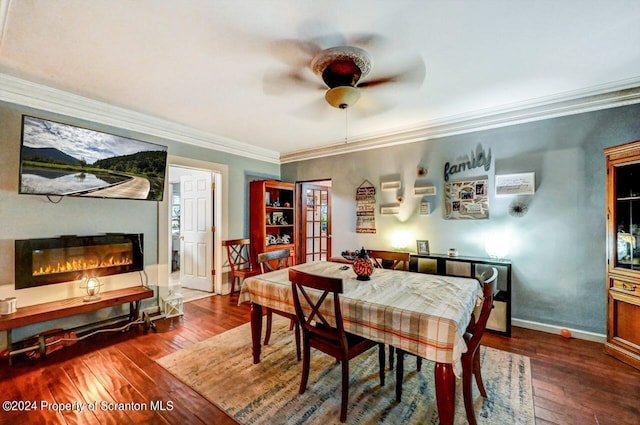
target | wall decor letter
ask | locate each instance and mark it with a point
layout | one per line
(477, 159)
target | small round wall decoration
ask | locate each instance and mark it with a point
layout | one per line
(518, 209)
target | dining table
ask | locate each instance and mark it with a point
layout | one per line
(422, 314)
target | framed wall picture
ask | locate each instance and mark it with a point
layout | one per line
(423, 247)
(516, 184)
(425, 208)
(467, 199)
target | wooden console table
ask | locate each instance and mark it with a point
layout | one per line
(30, 315)
(465, 266)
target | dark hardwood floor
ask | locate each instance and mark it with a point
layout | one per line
(574, 382)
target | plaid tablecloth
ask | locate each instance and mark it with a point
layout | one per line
(420, 313)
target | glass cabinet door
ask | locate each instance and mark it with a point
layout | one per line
(627, 216)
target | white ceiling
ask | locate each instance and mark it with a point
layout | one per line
(202, 67)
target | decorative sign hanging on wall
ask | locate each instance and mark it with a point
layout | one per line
(467, 199)
(516, 184)
(425, 207)
(478, 159)
(366, 208)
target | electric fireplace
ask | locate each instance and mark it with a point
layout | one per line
(67, 258)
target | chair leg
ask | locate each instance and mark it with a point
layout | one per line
(418, 363)
(345, 390)
(391, 351)
(296, 329)
(467, 372)
(381, 362)
(399, 373)
(267, 333)
(478, 374)
(233, 285)
(306, 361)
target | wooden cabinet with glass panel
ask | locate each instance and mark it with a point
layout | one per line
(623, 252)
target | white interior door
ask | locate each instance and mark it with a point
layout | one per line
(196, 231)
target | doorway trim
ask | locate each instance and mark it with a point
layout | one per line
(221, 201)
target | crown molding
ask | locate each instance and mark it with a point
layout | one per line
(605, 96)
(38, 96)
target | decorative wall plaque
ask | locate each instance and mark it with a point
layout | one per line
(468, 199)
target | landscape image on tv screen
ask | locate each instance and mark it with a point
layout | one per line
(64, 160)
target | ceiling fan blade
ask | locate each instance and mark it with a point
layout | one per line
(370, 104)
(291, 81)
(317, 110)
(413, 75)
(369, 42)
(294, 53)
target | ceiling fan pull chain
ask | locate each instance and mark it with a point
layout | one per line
(346, 125)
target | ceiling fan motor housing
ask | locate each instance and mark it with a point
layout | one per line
(341, 68)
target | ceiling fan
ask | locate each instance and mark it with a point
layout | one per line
(343, 68)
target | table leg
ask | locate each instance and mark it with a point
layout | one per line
(445, 392)
(9, 345)
(256, 331)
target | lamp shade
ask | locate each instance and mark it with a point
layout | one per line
(342, 96)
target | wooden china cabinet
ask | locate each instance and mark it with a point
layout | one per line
(623, 252)
(273, 218)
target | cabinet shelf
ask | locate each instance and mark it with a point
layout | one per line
(282, 245)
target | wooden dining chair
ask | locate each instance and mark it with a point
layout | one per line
(239, 258)
(309, 294)
(391, 260)
(473, 335)
(271, 261)
(471, 358)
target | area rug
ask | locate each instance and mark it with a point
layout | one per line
(221, 370)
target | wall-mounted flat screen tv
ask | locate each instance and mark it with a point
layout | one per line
(64, 160)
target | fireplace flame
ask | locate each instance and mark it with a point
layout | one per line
(80, 265)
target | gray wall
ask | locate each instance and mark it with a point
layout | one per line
(557, 249)
(29, 216)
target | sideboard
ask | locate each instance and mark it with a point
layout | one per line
(500, 319)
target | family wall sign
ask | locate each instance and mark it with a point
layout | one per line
(478, 159)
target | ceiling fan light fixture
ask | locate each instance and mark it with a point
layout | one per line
(342, 97)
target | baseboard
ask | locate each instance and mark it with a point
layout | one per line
(552, 329)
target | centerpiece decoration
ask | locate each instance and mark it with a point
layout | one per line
(362, 264)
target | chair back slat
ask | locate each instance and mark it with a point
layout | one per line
(309, 305)
(312, 296)
(390, 259)
(478, 323)
(274, 260)
(238, 253)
